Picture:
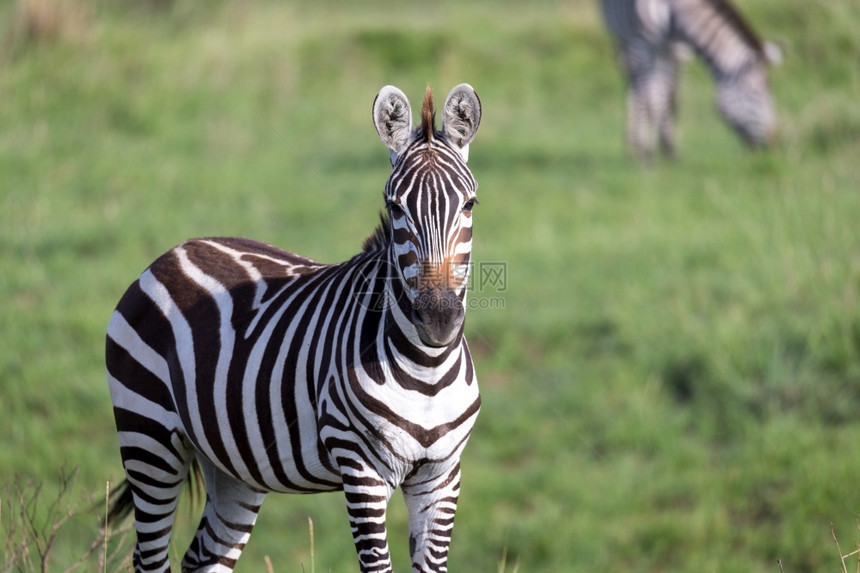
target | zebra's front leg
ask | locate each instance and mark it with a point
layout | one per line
(367, 496)
(431, 495)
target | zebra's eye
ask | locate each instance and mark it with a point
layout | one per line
(394, 207)
(468, 205)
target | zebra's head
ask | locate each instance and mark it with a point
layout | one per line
(429, 198)
(744, 99)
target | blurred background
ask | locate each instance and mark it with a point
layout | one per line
(670, 369)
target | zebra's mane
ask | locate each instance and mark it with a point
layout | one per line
(379, 239)
(428, 117)
(737, 22)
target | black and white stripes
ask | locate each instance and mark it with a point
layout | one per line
(277, 373)
(651, 36)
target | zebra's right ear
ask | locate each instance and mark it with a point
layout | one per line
(392, 117)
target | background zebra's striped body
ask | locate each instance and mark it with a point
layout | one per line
(652, 35)
(277, 373)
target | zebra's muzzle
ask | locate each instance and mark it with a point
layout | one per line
(438, 317)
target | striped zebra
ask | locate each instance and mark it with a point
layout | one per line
(269, 372)
(653, 35)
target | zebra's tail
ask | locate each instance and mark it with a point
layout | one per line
(121, 500)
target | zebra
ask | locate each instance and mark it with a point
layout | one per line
(654, 35)
(266, 371)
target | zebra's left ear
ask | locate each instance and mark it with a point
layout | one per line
(392, 117)
(461, 117)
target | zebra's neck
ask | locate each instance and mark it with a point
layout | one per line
(718, 34)
(386, 350)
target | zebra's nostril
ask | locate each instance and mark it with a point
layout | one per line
(438, 317)
(416, 317)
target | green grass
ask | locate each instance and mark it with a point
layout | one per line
(673, 383)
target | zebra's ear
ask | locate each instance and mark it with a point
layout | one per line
(392, 117)
(461, 117)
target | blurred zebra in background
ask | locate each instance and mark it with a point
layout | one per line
(653, 35)
(267, 371)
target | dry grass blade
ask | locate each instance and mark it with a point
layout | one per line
(311, 531)
(106, 527)
(839, 549)
(845, 556)
(32, 530)
(503, 563)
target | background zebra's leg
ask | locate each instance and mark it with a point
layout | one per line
(228, 518)
(431, 495)
(638, 126)
(641, 118)
(667, 76)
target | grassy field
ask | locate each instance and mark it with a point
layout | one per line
(673, 381)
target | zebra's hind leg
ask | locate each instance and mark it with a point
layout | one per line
(155, 456)
(228, 519)
(155, 485)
